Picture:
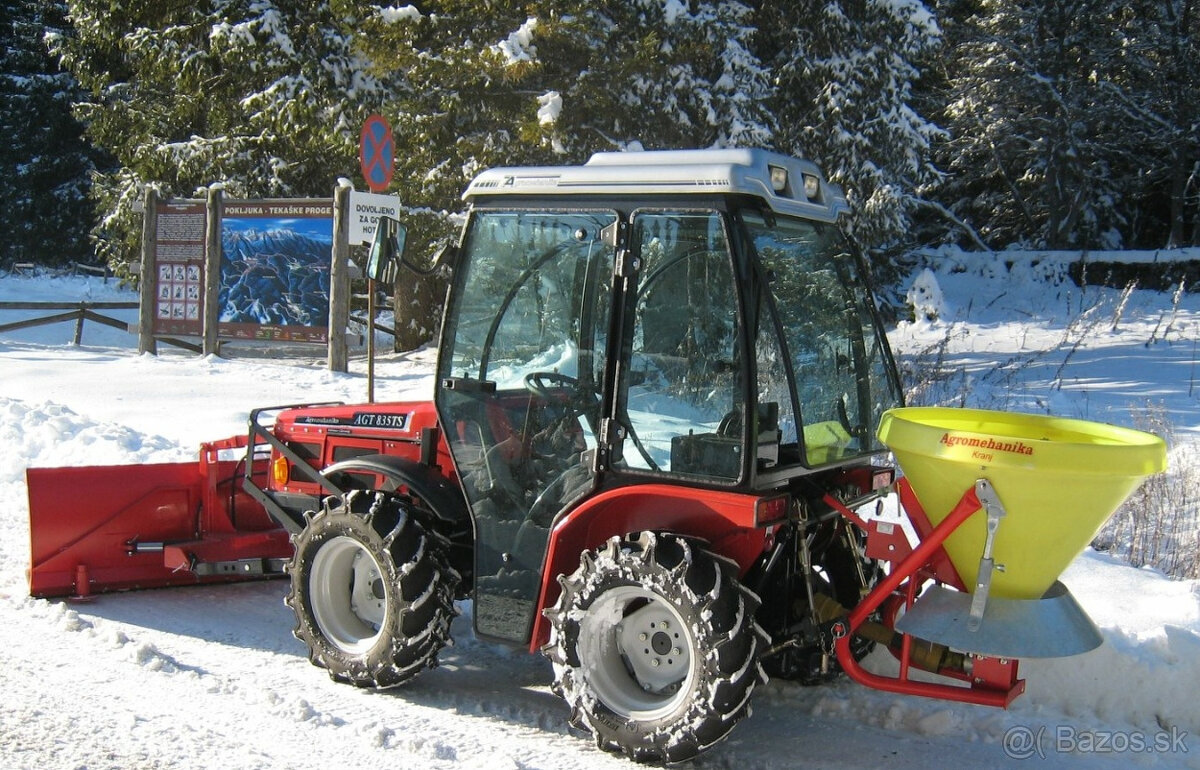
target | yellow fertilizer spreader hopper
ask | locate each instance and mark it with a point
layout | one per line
(1001, 503)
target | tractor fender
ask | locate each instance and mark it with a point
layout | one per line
(723, 520)
(443, 496)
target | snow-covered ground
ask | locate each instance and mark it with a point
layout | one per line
(212, 677)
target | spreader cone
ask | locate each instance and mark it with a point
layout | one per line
(1059, 481)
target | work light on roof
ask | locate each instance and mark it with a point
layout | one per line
(779, 178)
(812, 187)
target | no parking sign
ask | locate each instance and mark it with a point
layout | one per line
(376, 153)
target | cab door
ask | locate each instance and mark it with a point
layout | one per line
(521, 372)
(682, 397)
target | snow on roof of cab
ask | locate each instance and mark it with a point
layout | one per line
(673, 172)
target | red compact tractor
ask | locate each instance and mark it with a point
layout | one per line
(660, 404)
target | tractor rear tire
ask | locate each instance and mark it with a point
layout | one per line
(372, 590)
(655, 648)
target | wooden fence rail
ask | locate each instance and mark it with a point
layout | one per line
(86, 311)
(80, 312)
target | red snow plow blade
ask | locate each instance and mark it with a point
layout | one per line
(112, 528)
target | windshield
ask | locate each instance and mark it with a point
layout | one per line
(816, 319)
(529, 301)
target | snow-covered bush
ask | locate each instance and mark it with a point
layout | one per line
(925, 297)
(1159, 525)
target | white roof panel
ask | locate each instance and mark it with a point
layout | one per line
(672, 172)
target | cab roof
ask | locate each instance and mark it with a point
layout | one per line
(787, 185)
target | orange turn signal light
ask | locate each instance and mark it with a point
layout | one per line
(770, 509)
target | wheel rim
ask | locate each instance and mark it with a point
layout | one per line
(636, 653)
(348, 594)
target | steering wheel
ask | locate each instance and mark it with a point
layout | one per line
(581, 402)
(538, 383)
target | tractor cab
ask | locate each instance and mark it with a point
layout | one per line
(691, 318)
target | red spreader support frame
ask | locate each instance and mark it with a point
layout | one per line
(992, 681)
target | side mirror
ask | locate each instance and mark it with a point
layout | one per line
(387, 250)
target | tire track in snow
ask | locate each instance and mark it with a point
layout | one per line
(188, 692)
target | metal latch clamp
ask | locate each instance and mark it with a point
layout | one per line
(983, 582)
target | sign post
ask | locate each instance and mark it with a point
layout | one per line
(148, 279)
(371, 310)
(339, 283)
(376, 156)
(213, 249)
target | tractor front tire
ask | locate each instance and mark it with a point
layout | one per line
(372, 590)
(655, 648)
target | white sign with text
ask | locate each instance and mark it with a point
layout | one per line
(365, 210)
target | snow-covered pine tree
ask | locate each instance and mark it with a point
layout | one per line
(844, 72)
(657, 74)
(1155, 81)
(454, 107)
(263, 96)
(1035, 123)
(489, 84)
(45, 164)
